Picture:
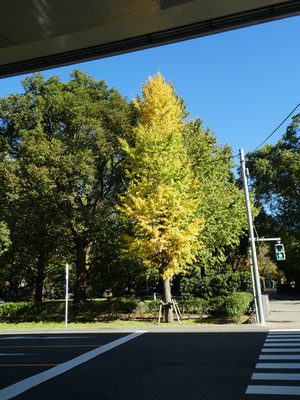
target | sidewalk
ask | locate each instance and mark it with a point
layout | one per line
(284, 310)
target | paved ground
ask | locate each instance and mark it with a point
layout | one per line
(236, 363)
(153, 365)
(284, 310)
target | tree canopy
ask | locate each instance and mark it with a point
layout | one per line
(163, 196)
(275, 177)
(222, 203)
(63, 141)
(82, 168)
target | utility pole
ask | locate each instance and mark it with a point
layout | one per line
(252, 240)
(253, 287)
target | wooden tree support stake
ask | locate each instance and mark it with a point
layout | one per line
(174, 306)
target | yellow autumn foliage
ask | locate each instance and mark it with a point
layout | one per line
(163, 197)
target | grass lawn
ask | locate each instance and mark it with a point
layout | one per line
(116, 323)
(33, 325)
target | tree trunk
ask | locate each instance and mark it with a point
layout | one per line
(166, 295)
(39, 283)
(80, 294)
(11, 279)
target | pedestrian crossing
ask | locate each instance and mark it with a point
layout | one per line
(277, 371)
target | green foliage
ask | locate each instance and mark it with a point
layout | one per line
(216, 306)
(55, 310)
(217, 285)
(153, 305)
(162, 196)
(121, 305)
(237, 304)
(194, 306)
(61, 162)
(275, 177)
(222, 204)
(233, 306)
(29, 311)
(5, 241)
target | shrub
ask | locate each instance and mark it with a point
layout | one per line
(153, 305)
(216, 306)
(193, 306)
(237, 304)
(29, 311)
(125, 305)
(217, 285)
(55, 310)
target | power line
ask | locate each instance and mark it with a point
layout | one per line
(277, 127)
(227, 158)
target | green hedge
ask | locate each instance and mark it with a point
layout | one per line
(153, 305)
(214, 286)
(238, 304)
(55, 310)
(194, 306)
(233, 306)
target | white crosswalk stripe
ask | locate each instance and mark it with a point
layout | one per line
(279, 357)
(284, 346)
(280, 350)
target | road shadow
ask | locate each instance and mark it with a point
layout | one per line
(275, 296)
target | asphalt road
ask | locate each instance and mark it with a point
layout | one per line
(152, 365)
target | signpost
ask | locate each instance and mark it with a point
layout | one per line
(67, 295)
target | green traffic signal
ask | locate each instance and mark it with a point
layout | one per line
(279, 250)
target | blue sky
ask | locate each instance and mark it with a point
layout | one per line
(241, 83)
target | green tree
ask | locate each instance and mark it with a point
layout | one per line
(64, 139)
(275, 177)
(4, 237)
(162, 196)
(223, 202)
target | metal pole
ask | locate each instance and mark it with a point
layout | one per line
(67, 295)
(252, 239)
(253, 287)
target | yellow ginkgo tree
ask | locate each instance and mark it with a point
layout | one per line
(163, 198)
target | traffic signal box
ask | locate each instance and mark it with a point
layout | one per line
(279, 250)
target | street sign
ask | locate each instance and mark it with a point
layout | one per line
(279, 250)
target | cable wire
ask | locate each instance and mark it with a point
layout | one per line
(277, 127)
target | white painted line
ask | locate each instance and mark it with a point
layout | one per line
(283, 330)
(283, 336)
(279, 357)
(283, 390)
(20, 387)
(275, 350)
(19, 337)
(276, 377)
(281, 344)
(283, 340)
(43, 337)
(65, 337)
(277, 366)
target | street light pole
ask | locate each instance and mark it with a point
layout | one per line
(252, 240)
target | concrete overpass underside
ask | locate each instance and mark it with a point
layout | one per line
(41, 34)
